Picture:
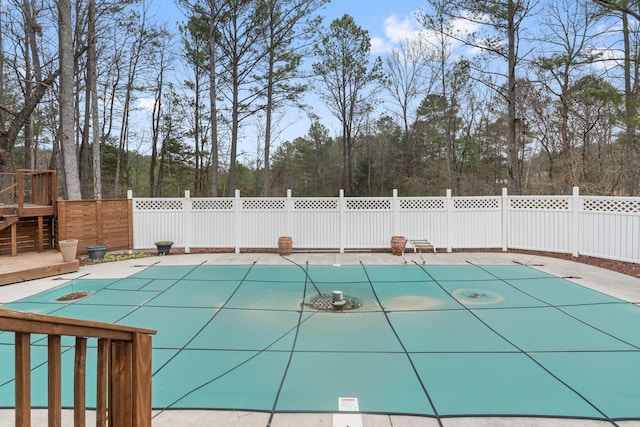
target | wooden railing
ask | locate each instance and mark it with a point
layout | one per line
(123, 375)
(29, 187)
(8, 188)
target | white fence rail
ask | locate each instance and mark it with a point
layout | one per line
(605, 227)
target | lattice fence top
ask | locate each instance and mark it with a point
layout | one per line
(212, 204)
(369, 205)
(263, 204)
(158, 204)
(426, 204)
(611, 205)
(476, 204)
(315, 204)
(539, 203)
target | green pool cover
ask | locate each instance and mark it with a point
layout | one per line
(433, 341)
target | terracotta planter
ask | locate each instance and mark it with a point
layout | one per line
(285, 244)
(397, 245)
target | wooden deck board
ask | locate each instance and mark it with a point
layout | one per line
(34, 265)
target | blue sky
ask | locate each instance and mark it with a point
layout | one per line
(387, 21)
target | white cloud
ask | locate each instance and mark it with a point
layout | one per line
(396, 31)
(380, 46)
(399, 30)
(145, 104)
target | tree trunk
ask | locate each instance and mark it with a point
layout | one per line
(92, 83)
(67, 143)
(155, 137)
(212, 97)
(512, 149)
(629, 107)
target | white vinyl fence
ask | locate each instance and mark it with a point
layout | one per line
(605, 227)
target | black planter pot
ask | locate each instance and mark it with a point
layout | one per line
(164, 247)
(97, 251)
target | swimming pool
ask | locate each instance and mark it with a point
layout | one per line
(433, 341)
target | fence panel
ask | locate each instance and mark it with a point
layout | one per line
(315, 223)
(606, 227)
(212, 223)
(476, 222)
(610, 227)
(422, 219)
(158, 219)
(368, 223)
(540, 223)
(263, 221)
(95, 221)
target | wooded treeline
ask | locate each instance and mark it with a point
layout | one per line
(534, 95)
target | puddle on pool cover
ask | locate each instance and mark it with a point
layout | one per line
(473, 296)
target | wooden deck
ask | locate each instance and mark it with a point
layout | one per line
(34, 265)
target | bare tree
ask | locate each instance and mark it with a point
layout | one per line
(290, 26)
(568, 29)
(408, 78)
(498, 25)
(346, 73)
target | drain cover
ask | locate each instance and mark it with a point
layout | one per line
(324, 302)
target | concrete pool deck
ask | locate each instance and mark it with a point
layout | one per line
(605, 281)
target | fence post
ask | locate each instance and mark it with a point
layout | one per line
(505, 220)
(288, 206)
(130, 220)
(395, 206)
(342, 220)
(187, 223)
(575, 223)
(237, 207)
(449, 208)
(62, 221)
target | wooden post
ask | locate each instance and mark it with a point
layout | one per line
(53, 183)
(80, 382)
(62, 221)
(55, 381)
(14, 239)
(40, 234)
(99, 224)
(120, 385)
(20, 193)
(23, 379)
(141, 380)
(102, 381)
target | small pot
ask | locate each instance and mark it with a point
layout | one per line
(285, 244)
(97, 251)
(164, 247)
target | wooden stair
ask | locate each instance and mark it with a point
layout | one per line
(7, 221)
